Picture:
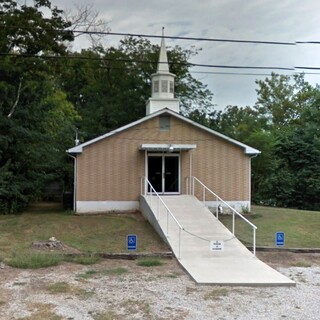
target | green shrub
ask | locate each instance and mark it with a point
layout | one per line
(34, 260)
(144, 262)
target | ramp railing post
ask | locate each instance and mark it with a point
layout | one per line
(158, 210)
(167, 223)
(217, 208)
(193, 186)
(204, 196)
(233, 222)
(162, 209)
(179, 244)
(187, 186)
(254, 241)
(225, 204)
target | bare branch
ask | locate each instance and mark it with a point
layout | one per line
(17, 100)
(86, 19)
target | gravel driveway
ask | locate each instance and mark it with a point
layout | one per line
(119, 289)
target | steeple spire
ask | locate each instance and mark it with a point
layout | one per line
(162, 84)
(163, 65)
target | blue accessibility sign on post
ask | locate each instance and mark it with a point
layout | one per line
(280, 236)
(132, 242)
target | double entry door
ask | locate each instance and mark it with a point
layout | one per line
(164, 172)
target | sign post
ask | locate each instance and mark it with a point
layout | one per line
(132, 242)
(280, 237)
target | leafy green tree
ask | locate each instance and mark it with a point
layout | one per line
(284, 126)
(281, 100)
(29, 100)
(301, 154)
(282, 107)
(110, 86)
(25, 29)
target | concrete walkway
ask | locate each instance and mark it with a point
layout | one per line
(234, 266)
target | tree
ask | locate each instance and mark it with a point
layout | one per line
(84, 20)
(110, 86)
(300, 152)
(281, 100)
(24, 29)
(27, 151)
(284, 126)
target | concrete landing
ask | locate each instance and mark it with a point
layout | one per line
(234, 266)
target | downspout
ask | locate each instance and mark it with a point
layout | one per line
(74, 182)
(250, 177)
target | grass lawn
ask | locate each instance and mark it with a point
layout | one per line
(301, 228)
(108, 233)
(88, 234)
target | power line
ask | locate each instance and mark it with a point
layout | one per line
(187, 38)
(247, 73)
(144, 61)
(124, 34)
(241, 67)
(308, 68)
(189, 64)
(307, 42)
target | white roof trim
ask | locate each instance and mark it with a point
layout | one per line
(167, 147)
(247, 149)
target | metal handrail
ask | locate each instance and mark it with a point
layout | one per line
(169, 212)
(190, 189)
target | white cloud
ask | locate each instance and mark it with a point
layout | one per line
(269, 20)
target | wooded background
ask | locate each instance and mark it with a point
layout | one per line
(48, 92)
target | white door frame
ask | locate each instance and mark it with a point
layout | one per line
(163, 155)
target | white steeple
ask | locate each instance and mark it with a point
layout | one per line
(162, 85)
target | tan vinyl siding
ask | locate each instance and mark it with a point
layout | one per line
(111, 169)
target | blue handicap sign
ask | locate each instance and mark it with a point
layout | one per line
(280, 236)
(132, 242)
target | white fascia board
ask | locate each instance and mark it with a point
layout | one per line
(79, 148)
(247, 149)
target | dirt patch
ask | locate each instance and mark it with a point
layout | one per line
(289, 259)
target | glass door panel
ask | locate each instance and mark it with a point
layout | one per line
(163, 173)
(155, 172)
(171, 174)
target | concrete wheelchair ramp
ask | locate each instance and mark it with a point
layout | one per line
(235, 265)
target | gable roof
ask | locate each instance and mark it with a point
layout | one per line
(247, 149)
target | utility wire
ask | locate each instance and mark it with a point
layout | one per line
(124, 34)
(74, 57)
(307, 42)
(22, 55)
(308, 68)
(187, 38)
(108, 33)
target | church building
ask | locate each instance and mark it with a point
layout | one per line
(164, 148)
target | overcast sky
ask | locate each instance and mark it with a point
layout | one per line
(265, 20)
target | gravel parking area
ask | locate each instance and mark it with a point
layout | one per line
(120, 289)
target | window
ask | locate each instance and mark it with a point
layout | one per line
(164, 86)
(164, 123)
(171, 87)
(156, 86)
